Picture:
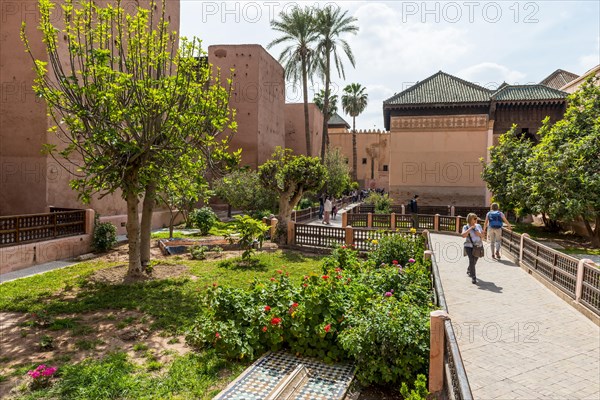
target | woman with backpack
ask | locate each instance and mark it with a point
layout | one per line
(495, 219)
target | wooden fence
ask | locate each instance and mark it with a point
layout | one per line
(307, 214)
(430, 210)
(18, 229)
(578, 279)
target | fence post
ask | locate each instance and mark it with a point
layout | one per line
(452, 211)
(458, 230)
(579, 282)
(425, 235)
(90, 215)
(274, 222)
(436, 222)
(345, 218)
(393, 221)
(291, 230)
(295, 215)
(402, 208)
(523, 236)
(436, 350)
(369, 220)
(349, 235)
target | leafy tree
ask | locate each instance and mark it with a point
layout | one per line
(332, 23)
(129, 99)
(290, 176)
(299, 35)
(354, 102)
(508, 168)
(180, 192)
(567, 162)
(243, 190)
(338, 173)
(319, 101)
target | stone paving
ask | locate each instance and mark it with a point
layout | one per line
(518, 340)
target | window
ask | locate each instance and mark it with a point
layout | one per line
(364, 161)
(385, 168)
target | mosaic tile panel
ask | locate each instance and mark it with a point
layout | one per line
(326, 382)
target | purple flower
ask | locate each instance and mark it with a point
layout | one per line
(412, 260)
(34, 374)
(392, 290)
(49, 371)
(388, 294)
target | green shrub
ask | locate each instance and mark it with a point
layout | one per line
(420, 391)
(203, 219)
(397, 249)
(375, 315)
(382, 203)
(105, 236)
(305, 203)
(198, 252)
(251, 232)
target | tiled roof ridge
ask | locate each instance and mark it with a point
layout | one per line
(418, 84)
(508, 87)
(558, 72)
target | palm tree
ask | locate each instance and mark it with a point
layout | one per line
(299, 34)
(354, 102)
(319, 101)
(332, 23)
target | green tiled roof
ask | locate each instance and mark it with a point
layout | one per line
(559, 78)
(337, 120)
(441, 88)
(527, 92)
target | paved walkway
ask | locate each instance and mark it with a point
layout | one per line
(518, 340)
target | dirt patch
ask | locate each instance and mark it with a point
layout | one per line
(118, 275)
(91, 335)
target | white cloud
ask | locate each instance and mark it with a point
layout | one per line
(491, 75)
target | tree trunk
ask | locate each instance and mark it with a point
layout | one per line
(594, 234)
(306, 121)
(354, 155)
(133, 235)
(146, 226)
(287, 203)
(326, 106)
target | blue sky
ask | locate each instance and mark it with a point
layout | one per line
(402, 42)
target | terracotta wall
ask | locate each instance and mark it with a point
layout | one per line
(258, 97)
(295, 135)
(438, 158)
(22, 115)
(30, 182)
(373, 155)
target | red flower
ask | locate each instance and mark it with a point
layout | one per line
(264, 329)
(305, 277)
(214, 284)
(305, 285)
(338, 269)
(325, 277)
(343, 247)
(267, 308)
(339, 277)
(327, 327)
(279, 271)
(275, 321)
(272, 279)
(218, 335)
(395, 262)
(294, 305)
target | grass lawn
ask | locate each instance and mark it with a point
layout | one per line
(571, 243)
(163, 308)
(219, 229)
